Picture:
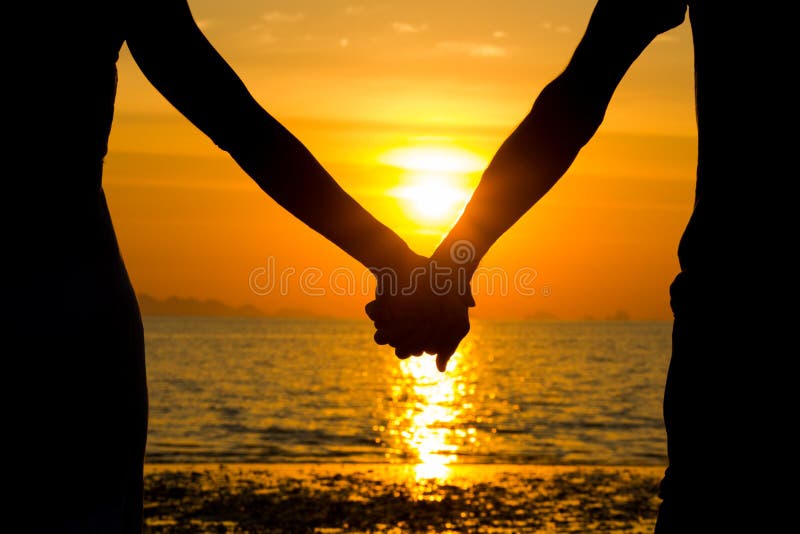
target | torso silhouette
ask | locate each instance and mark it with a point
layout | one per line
(81, 371)
(724, 74)
(82, 399)
(726, 371)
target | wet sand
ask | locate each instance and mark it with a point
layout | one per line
(334, 498)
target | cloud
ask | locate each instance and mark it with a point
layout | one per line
(474, 49)
(405, 27)
(352, 11)
(549, 26)
(266, 38)
(283, 16)
(261, 35)
(499, 34)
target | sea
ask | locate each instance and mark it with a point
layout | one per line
(319, 391)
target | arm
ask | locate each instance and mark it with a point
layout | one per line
(177, 59)
(564, 118)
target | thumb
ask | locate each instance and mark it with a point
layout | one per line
(371, 309)
(443, 357)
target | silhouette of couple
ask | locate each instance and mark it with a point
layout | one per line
(79, 421)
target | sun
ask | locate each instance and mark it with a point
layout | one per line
(434, 159)
(432, 198)
(435, 186)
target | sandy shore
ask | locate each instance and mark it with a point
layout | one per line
(332, 498)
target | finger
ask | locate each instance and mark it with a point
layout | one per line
(441, 337)
(378, 311)
(454, 328)
(392, 332)
(418, 338)
(402, 353)
(382, 325)
(394, 335)
(407, 337)
(444, 355)
(400, 330)
(371, 309)
(383, 336)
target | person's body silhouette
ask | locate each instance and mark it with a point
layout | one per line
(720, 390)
(80, 416)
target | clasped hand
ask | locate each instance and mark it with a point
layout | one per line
(421, 308)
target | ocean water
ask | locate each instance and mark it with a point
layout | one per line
(228, 390)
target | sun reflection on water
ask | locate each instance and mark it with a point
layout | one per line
(430, 416)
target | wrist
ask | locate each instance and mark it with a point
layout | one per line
(397, 269)
(459, 256)
(386, 251)
(453, 265)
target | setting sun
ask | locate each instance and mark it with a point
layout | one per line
(433, 198)
(437, 183)
(434, 159)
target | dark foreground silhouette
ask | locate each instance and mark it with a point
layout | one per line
(727, 364)
(80, 415)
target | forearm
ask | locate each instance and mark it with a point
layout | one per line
(179, 61)
(289, 173)
(565, 116)
(526, 167)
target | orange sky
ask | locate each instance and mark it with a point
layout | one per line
(399, 100)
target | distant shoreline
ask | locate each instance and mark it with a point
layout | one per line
(191, 307)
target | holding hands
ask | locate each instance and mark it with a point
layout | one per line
(422, 307)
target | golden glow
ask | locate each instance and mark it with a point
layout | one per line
(431, 428)
(434, 159)
(427, 428)
(432, 198)
(436, 186)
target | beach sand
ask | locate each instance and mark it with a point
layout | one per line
(339, 498)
